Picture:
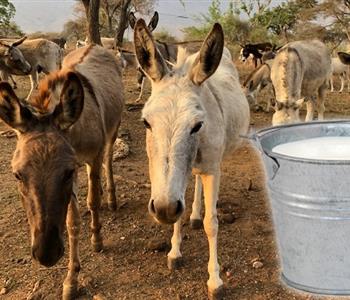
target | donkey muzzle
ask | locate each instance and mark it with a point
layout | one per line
(166, 213)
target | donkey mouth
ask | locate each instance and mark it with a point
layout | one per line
(48, 258)
(49, 248)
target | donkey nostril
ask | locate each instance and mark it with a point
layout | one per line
(151, 207)
(179, 207)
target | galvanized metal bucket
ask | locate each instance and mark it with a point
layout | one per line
(310, 201)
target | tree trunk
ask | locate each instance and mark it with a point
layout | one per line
(92, 16)
(123, 23)
(110, 24)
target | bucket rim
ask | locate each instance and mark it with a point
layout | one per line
(262, 132)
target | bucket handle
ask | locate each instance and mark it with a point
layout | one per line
(274, 166)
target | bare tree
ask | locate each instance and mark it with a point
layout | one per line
(92, 8)
(339, 13)
(123, 22)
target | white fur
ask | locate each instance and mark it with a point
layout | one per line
(174, 107)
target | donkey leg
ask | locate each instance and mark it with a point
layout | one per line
(70, 284)
(94, 202)
(320, 102)
(195, 218)
(342, 82)
(33, 82)
(310, 108)
(139, 98)
(108, 166)
(13, 82)
(331, 83)
(211, 188)
(175, 256)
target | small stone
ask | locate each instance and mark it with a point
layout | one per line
(228, 218)
(121, 149)
(3, 291)
(122, 238)
(156, 245)
(228, 274)
(257, 264)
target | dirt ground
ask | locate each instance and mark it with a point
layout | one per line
(133, 263)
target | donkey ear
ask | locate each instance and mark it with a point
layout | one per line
(209, 56)
(132, 20)
(71, 102)
(11, 111)
(153, 22)
(147, 54)
(18, 42)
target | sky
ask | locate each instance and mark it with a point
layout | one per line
(50, 15)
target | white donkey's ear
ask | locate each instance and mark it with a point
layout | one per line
(147, 54)
(209, 56)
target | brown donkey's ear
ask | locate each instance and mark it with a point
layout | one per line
(132, 20)
(11, 111)
(18, 42)
(153, 22)
(147, 54)
(209, 56)
(71, 102)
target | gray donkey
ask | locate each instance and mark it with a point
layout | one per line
(168, 52)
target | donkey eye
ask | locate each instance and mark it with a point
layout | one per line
(146, 124)
(18, 176)
(68, 174)
(196, 127)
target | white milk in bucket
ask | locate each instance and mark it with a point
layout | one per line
(321, 148)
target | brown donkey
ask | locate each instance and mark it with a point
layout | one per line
(73, 119)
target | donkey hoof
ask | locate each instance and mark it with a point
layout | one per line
(217, 294)
(69, 291)
(174, 263)
(196, 224)
(97, 246)
(112, 206)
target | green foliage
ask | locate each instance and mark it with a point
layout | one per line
(234, 28)
(284, 17)
(164, 36)
(7, 12)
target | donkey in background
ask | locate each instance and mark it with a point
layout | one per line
(257, 51)
(168, 52)
(12, 60)
(300, 70)
(194, 116)
(72, 119)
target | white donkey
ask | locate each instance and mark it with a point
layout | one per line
(195, 114)
(342, 70)
(300, 70)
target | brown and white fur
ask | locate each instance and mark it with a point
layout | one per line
(300, 70)
(72, 119)
(341, 70)
(256, 81)
(194, 116)
(43, 56)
